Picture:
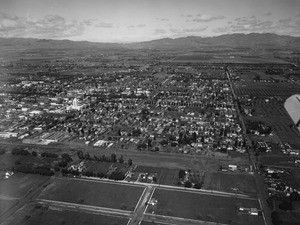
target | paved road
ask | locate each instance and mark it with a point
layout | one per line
(85, 208)
(141, 206)
(262, 194)
(169, 187)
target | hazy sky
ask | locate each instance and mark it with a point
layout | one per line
(140, 20)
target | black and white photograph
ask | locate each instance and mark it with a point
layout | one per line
(149, 112)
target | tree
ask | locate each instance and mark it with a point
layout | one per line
(113, 157)
(62, 163)
(286, 205)
(136, 132)
(33, 153)
(188, 184)
(87, 156)
(198, 185)
(129, 162)
(164, 142)
(181, 174)
(80, 154)
(66, 157)
(121, 160)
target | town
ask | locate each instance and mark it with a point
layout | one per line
(155, 132)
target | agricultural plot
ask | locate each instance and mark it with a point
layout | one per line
(95, 193)
(279, 120)
(267, 90)
(19, 184)
(205, 207)
(164, 175)
(6, 204)
(229, 182)
(278, 160)
(45, 216)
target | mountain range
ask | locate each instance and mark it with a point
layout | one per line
(253, 40)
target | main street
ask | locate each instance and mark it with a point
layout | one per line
(261, 187)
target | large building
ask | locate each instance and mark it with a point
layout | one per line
(292, 106)
(75, 105)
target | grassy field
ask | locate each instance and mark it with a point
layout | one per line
(94, 193)
(5, 205)
(45, 216)
(20, 184)
(201, 206)
(226, 181)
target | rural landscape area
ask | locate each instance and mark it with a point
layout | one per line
(149, 112)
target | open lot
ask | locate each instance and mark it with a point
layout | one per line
(201, 206)
(88, 192)
(245, 183)
(20, 184)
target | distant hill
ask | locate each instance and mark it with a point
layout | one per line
(253, 40)
(31, 43)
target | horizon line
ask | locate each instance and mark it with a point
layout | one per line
(135, 42)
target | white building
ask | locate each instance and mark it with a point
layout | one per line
(75, 105)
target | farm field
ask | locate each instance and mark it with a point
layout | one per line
(277, 160)
(201, 206)
(6, 204)
(95, 193)
(48, 216)
(20, 184)
(245, 183)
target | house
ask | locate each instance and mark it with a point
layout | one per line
(232, 167)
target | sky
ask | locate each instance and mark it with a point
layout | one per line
(126, 21)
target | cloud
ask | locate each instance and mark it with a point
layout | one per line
(51, 26)
(221, 30)
(200, 18)
(160, 31)
(186, 15)
(137, 26)
(102, 24)
(298, 15)
(286, 20)
(268, 14)
(141, 25)
(252, 24)
(188, 31)
(88, 22)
